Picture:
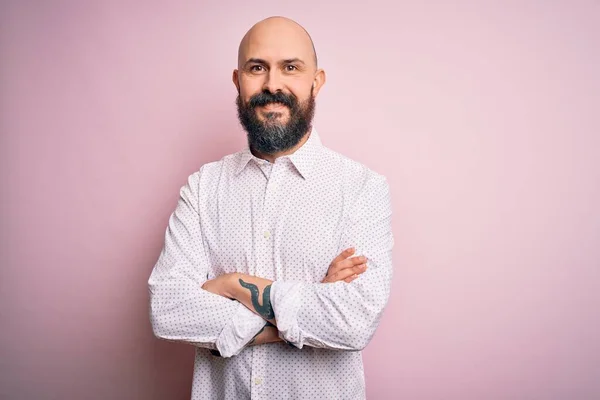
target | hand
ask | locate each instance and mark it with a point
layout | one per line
(268, 334)
(345, 268)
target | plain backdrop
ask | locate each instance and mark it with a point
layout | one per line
(483, 115)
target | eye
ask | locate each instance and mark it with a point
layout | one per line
(291, 68)
(256, 68)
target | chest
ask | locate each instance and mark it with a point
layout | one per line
(279, 226)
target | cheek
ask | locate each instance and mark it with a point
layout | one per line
(249, 87)
(246, 95)
(301, 91)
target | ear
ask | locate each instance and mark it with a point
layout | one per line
(235, 79)
(318, 81)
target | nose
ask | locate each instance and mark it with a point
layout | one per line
(273, 82)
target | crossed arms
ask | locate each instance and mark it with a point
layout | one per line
(255, 292)
(339, 313)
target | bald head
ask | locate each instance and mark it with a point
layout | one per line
(277, 80)
(277, 36)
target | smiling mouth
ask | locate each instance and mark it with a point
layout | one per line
(274, 106)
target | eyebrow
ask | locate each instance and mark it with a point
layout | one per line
(292, 61)
(263, 62)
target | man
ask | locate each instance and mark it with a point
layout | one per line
(246, 272)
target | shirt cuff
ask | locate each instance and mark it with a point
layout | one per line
(240, 330)
(286, 300)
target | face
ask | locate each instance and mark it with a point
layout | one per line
(277, 82)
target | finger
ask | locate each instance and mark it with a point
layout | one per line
(347, 263)
(351, 278)
(347, 272)
(343, 255)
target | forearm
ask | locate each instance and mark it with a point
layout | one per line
(182, 312)
(253, 292)
(338, 316)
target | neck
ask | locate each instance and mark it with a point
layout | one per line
(272, 157)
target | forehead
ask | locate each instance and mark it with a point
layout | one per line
(275, 44)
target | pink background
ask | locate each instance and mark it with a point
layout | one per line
(483, 115)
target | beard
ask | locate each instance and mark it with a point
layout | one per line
(271, 135)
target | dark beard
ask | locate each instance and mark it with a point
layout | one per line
(271, 136)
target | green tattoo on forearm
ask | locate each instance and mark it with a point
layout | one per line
(265, 310)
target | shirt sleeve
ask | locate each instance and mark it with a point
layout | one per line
(180, 310)
(340, 315)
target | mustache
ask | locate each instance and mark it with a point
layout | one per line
(263, 98)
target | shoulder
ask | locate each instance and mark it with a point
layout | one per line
(366, 191)
(209, 174)
(354, 173)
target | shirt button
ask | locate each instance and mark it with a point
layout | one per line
(257, 381)
(267, 234)
(274, 186)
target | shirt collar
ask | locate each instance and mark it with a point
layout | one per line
(303, 159)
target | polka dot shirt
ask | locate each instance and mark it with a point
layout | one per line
(284, 221)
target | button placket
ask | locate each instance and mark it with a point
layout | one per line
(265, 246)
(269, 212)
(258, 372)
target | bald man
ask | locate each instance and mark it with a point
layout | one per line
(277, 259)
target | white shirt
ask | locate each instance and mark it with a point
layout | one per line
(286, 222)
